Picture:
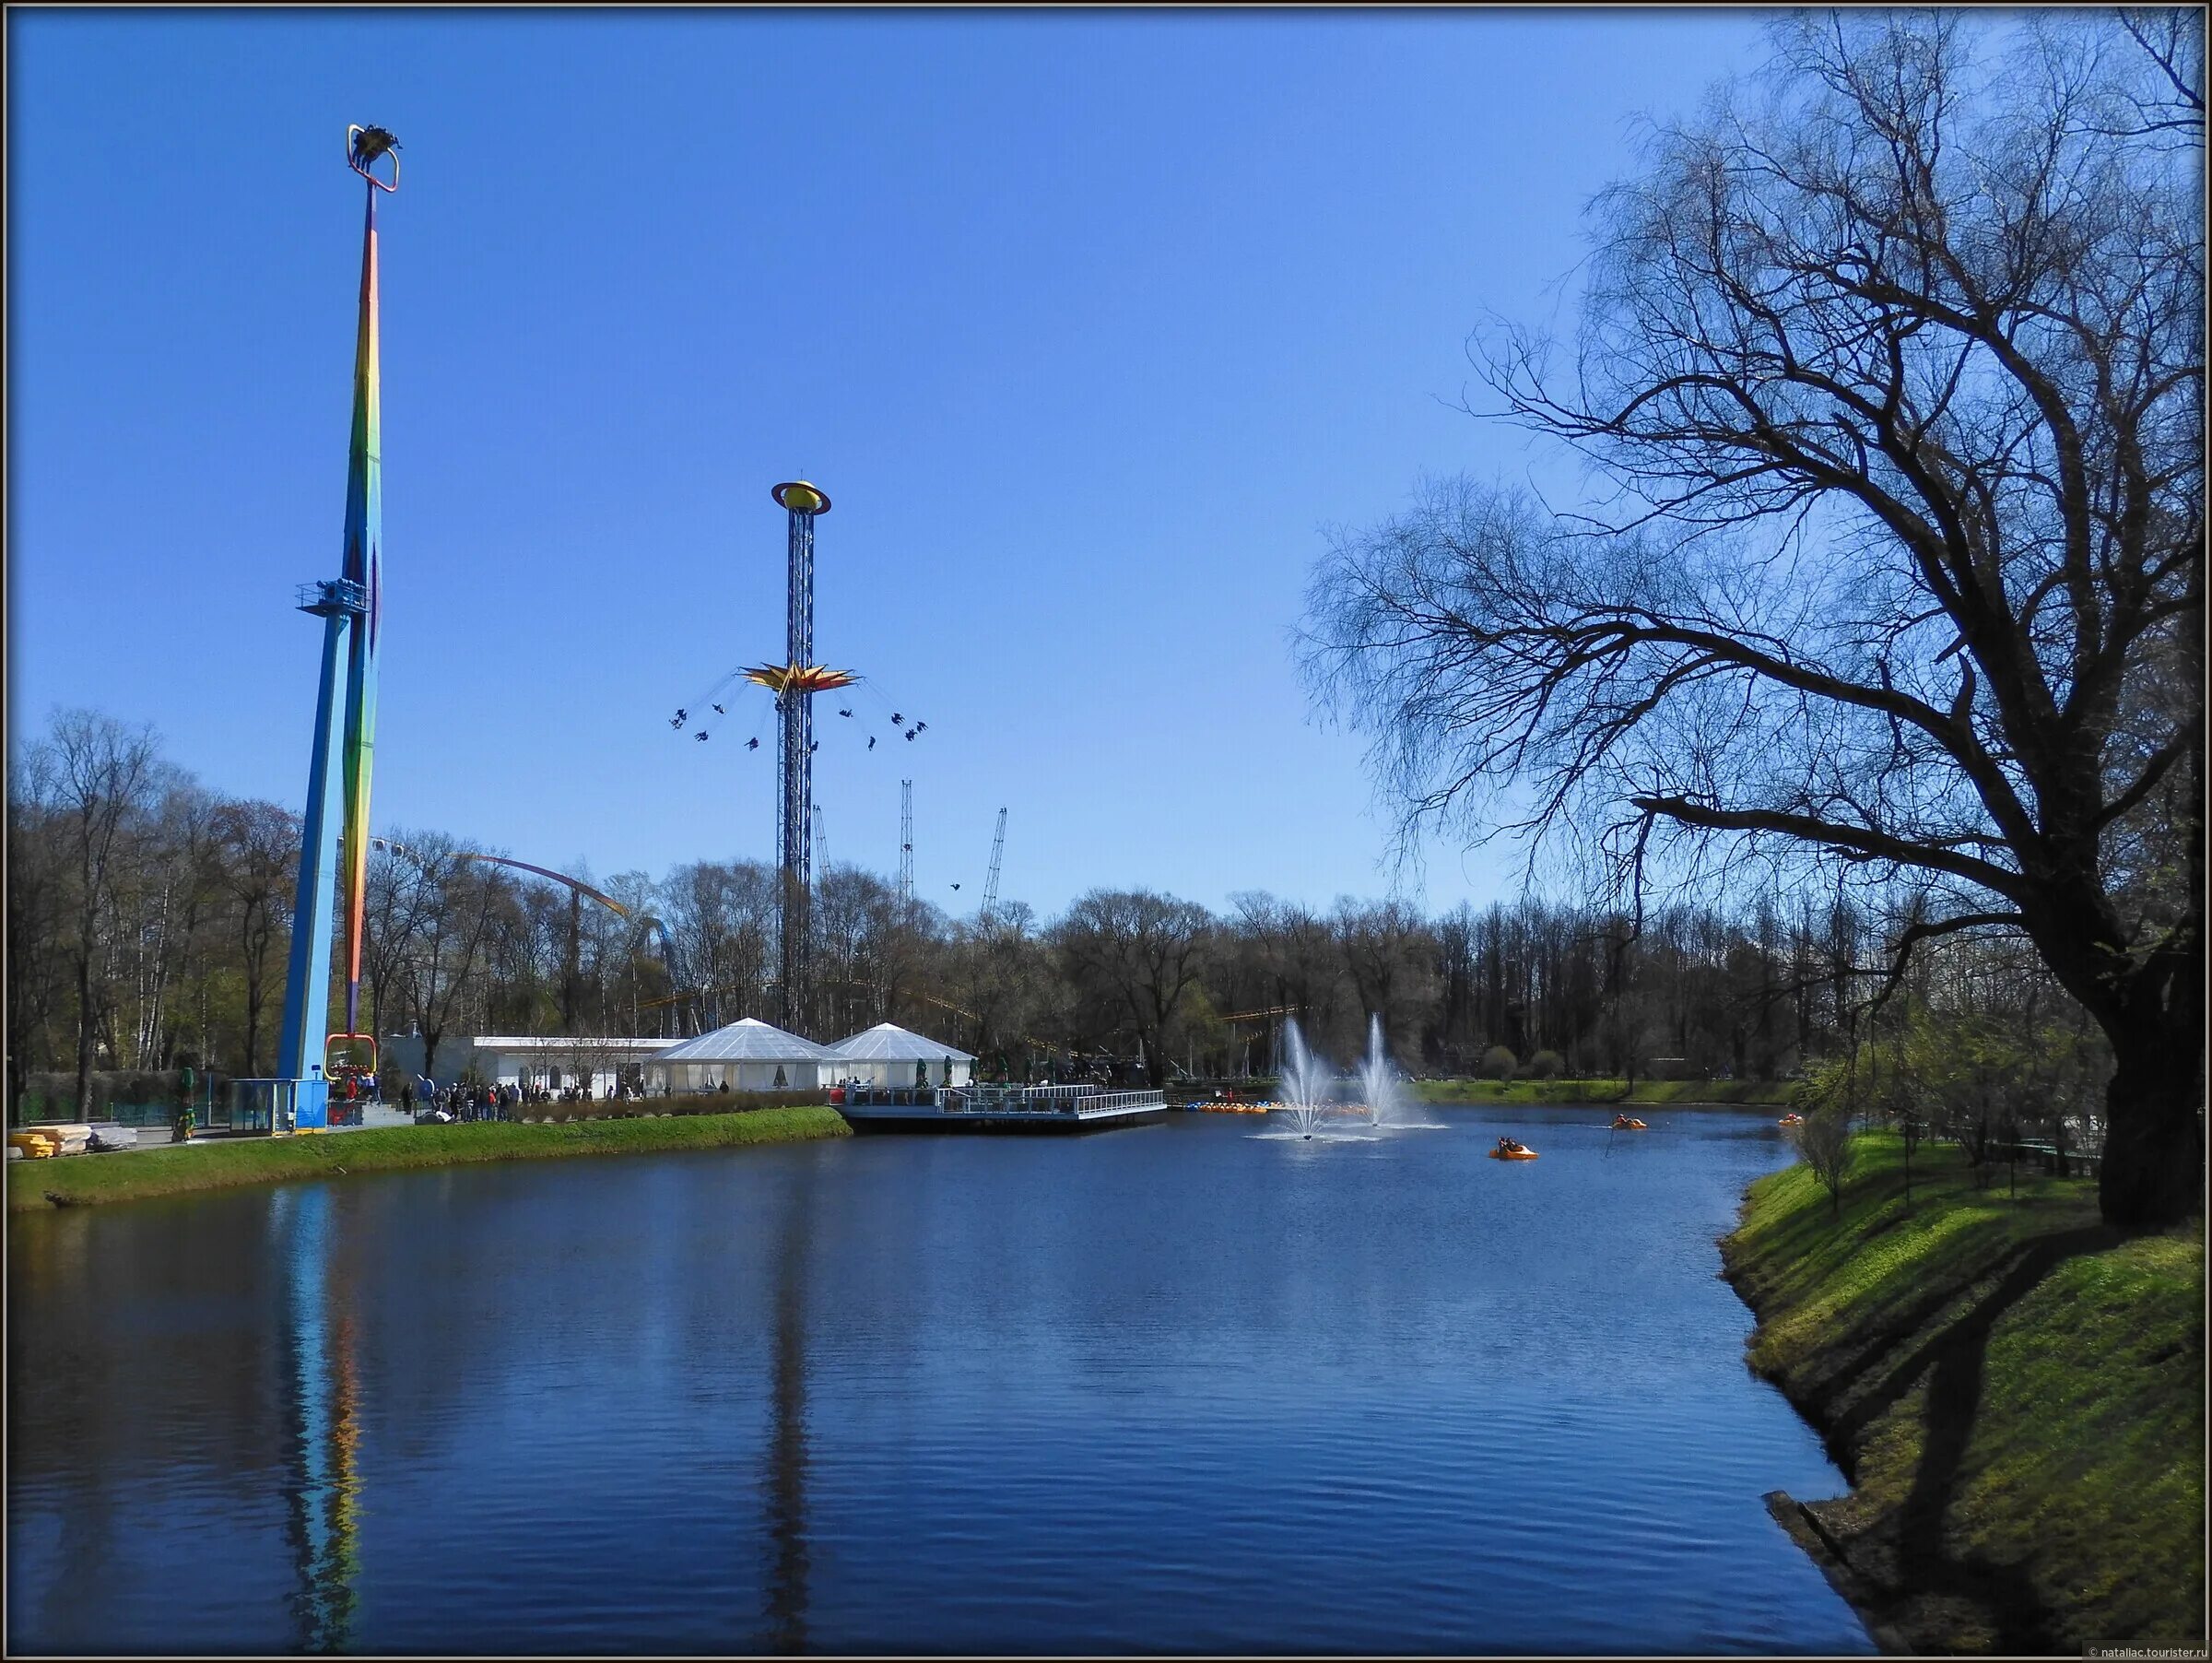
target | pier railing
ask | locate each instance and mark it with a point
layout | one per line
(1099, 1102)
(1072, 1100)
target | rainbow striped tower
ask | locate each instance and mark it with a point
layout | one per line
(351, 609)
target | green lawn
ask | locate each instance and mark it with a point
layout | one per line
(1543, 1092)
(2015, 1392)
(221, 1163)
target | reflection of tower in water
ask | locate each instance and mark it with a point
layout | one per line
(785, 1483)
(321, 1396)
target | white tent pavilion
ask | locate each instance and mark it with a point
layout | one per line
(887, 1054)
(748, 1055)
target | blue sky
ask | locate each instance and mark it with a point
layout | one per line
(1090, 323)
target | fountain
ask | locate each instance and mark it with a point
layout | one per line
(1304, 1084)
(1379, 1085)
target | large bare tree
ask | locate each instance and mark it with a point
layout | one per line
(1136, 955)
(1893, 369)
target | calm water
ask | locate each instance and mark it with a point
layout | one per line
(1172, 1388)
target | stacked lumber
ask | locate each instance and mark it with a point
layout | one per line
(73, 1139)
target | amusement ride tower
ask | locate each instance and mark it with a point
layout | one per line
(795, 683)
(351, 611)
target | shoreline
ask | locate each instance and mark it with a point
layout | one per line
(1584, 1093)
(1981, 1368)
(229, 1163)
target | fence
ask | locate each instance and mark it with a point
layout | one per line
(127, 1097)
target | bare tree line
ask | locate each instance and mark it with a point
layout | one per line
(150, 919)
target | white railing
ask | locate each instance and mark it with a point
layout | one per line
(1105, 1103)
(1042, 1100)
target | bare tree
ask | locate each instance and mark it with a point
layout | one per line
(257, 856)
(100, 771)
(38, 919)
(1898, 377)
(454, 914)
(1138, 953)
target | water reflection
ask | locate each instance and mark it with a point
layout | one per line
(785, 1483)
(1086, 1395)
(322, 1419)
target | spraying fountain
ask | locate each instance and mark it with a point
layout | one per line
(1379, 1087)
(1304, 1084)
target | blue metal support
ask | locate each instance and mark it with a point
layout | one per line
(307, 982)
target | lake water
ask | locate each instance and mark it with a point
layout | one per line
(1180, 1387)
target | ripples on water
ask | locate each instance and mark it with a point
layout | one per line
(1172, 1388)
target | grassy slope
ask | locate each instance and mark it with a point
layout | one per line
(1542, 1092)
(2015, 1392)
(220, 1163)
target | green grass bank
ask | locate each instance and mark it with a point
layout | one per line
(2015, 1391)
(225, 1162)
(1540, 1094)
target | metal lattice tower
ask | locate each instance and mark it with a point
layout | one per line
(821, 847)
(906, 840)
(794, 761)
(998, 851)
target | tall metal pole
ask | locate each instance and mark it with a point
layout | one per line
(350, 608)
(795, 759)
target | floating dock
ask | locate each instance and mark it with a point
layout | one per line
(1029, 1108)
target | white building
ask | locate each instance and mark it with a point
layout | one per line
(527, 1060)
(748, 1055)
(888, 1055)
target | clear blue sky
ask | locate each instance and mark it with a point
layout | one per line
(1088, 321)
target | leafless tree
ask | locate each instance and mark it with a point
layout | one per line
(1138, 953)
(257, 856)
(454, 913)
(1896, 374)
(99, 772)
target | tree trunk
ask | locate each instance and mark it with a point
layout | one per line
(2152, 1174)
(86, 1026)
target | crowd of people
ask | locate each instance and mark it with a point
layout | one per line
(426, 1100)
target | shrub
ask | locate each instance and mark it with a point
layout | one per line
(1823, 1138)
(1545, 1065)
(1498, 1063)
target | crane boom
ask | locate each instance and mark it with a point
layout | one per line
(998, 850)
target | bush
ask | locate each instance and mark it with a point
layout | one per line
(1823, 1138)
(1498, 1063)
(1545, 1065)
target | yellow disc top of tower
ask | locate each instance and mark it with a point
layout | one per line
(801, 498)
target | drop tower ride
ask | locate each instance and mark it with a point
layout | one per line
(336, 821)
